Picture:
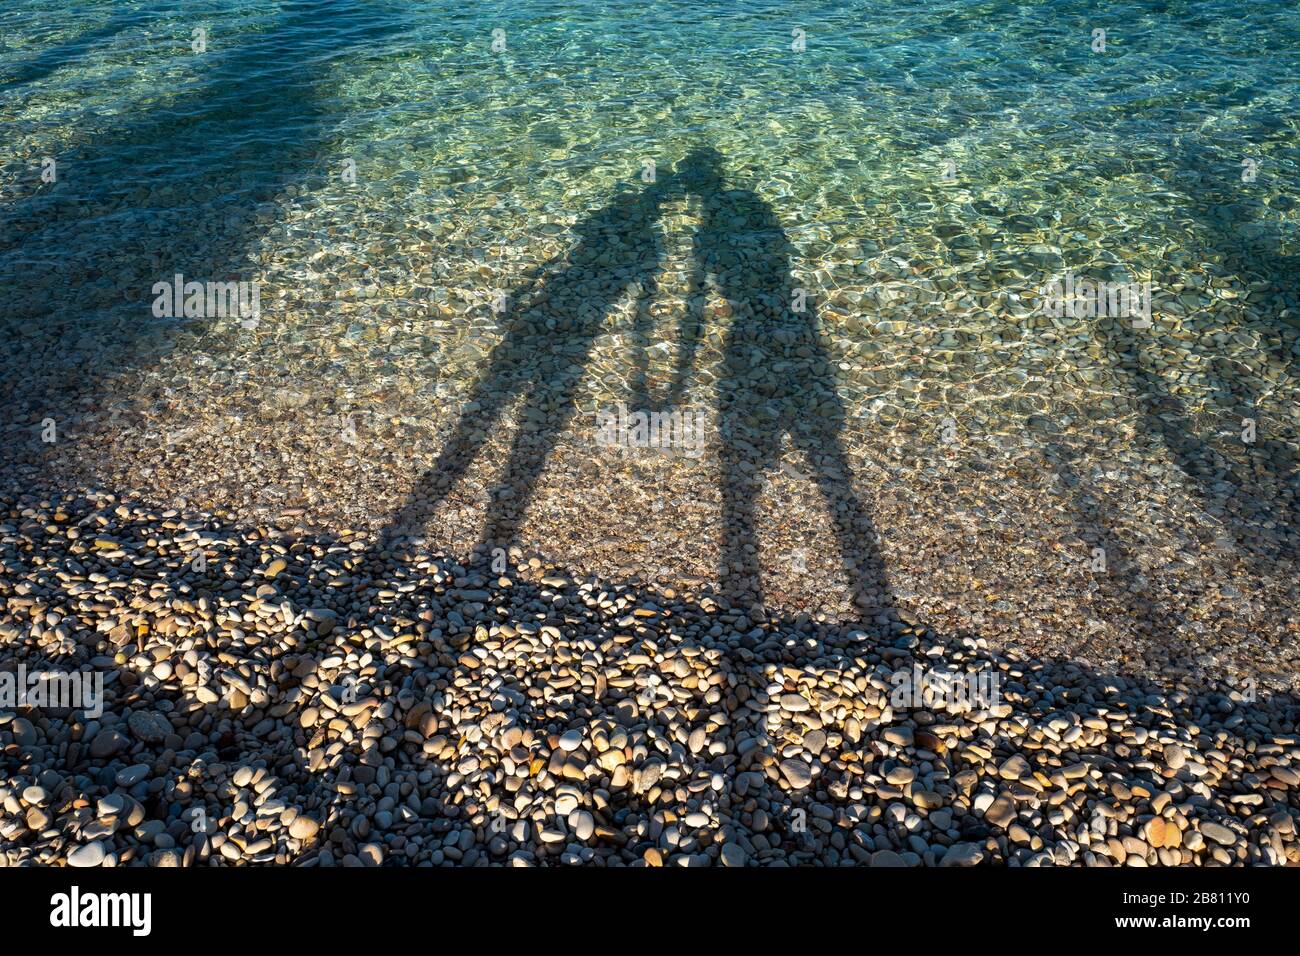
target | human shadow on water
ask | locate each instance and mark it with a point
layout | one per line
(72, 50)
(1257, 241)
(554, 319)
(1254, 487)
(1120, 580)
(182, 185)
(777, 381)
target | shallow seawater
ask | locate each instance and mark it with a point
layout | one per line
(385, 171)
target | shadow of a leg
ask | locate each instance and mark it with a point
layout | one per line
(545, 418)
(497, 386)
(859, 544)
(777, 380)
(1120, 582)
(740, 577)
(544, 353)
(1216, 479)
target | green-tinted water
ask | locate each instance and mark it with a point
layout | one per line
(386, 170)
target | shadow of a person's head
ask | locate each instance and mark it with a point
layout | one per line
(700, 170)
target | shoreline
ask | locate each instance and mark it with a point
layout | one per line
(326, 704)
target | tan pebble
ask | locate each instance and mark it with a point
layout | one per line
(931, 742)
(1173, 835)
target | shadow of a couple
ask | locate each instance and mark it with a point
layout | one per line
(776, 378)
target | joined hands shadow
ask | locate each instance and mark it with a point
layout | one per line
(776, 378)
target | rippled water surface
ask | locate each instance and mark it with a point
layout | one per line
(385, 169)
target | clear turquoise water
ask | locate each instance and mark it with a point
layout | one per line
(472, 165)
(1143, 142)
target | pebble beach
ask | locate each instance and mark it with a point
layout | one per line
(310, 702)
(370, 579)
